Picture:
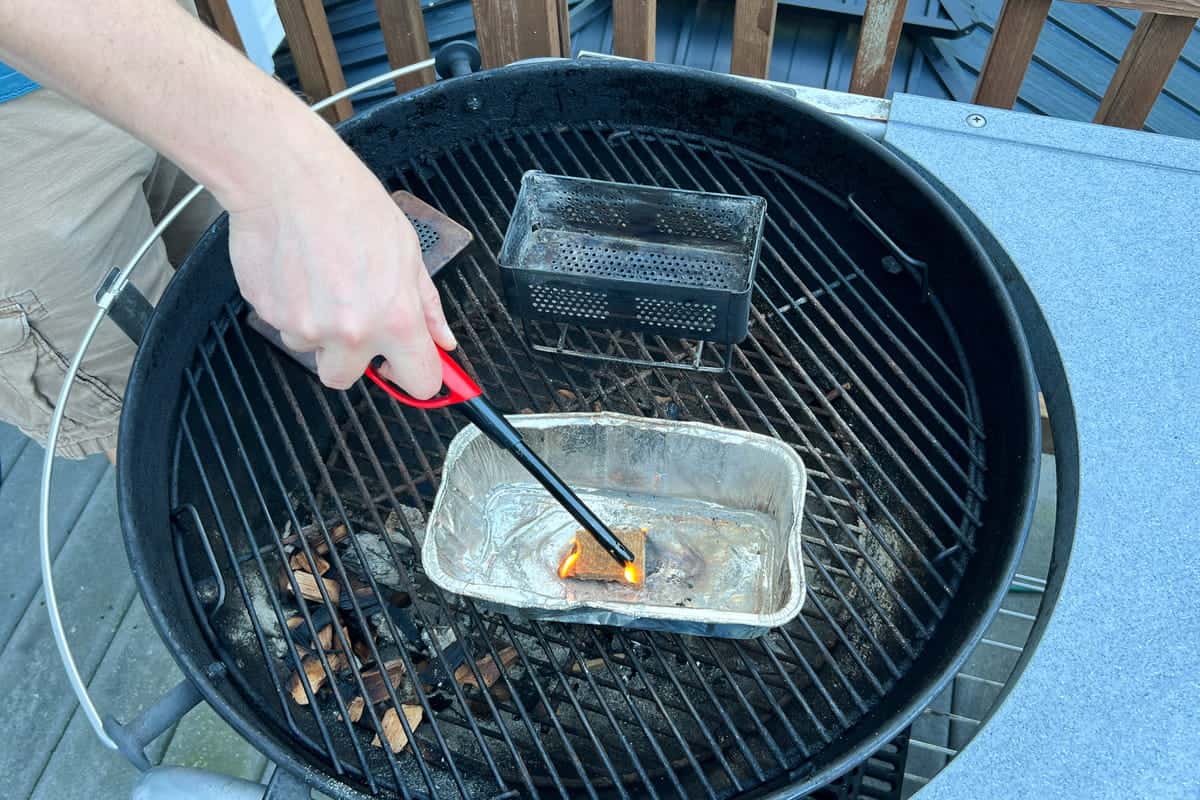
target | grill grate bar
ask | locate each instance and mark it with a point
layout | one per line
(816, 492)
(585, 670)
(523, 712)
(688, 753)
(651, 739)
(764, 644)
(705, 731)
(829, 659)
(614, 685)
(883, 440)
(775, 707)
(745, 703)
(575, 703)
(864, 485)
(683, 650)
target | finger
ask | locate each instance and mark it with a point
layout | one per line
(414, 366)
(435, 316)
(340, 367)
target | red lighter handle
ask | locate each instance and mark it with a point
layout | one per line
(457, 386)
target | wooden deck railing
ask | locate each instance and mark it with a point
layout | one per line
(510, 30)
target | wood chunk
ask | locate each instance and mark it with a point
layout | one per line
(355, 708)
(361, 649)
(487, 669)
(316, 675)
(592, 665)
(295, 622)
(326, 640)
(394, 730)
(595, 563)
(299, 563)
(317, 539)
(308, 586)
(377, 688)
(337, 533)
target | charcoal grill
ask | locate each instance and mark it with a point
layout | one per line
(881, 346)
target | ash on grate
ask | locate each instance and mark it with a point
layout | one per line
(238, 626)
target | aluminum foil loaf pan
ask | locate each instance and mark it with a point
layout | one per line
(722, 507)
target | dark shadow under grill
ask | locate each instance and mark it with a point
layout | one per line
(848, 360)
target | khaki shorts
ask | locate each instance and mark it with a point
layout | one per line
(77, 197)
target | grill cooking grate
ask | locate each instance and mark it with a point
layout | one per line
(848, 363)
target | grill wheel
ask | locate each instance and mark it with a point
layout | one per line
(847, 361)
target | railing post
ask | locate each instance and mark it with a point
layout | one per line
(404, 37)
(753, 32)
(1156, 45)
(1010, 51)
(634, 28)
(314, 53)
(877, 42)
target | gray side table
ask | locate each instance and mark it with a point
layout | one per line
(1103, 227)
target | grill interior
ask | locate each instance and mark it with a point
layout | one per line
(847, 360)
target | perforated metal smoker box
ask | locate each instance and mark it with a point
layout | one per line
(615, 255)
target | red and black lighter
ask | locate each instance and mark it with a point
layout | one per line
(464, 394)
(461, 392)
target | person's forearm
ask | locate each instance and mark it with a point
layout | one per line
(316, 244)
(149, 67)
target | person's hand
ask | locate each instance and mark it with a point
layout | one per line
(326, 257)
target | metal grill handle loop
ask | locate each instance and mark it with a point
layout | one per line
(104, 300)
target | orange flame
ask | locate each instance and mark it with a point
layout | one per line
(631, 573)
(567, 568)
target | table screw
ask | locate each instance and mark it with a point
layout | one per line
(976, 120)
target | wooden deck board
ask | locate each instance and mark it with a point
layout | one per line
(49, 750)
(95, 591)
